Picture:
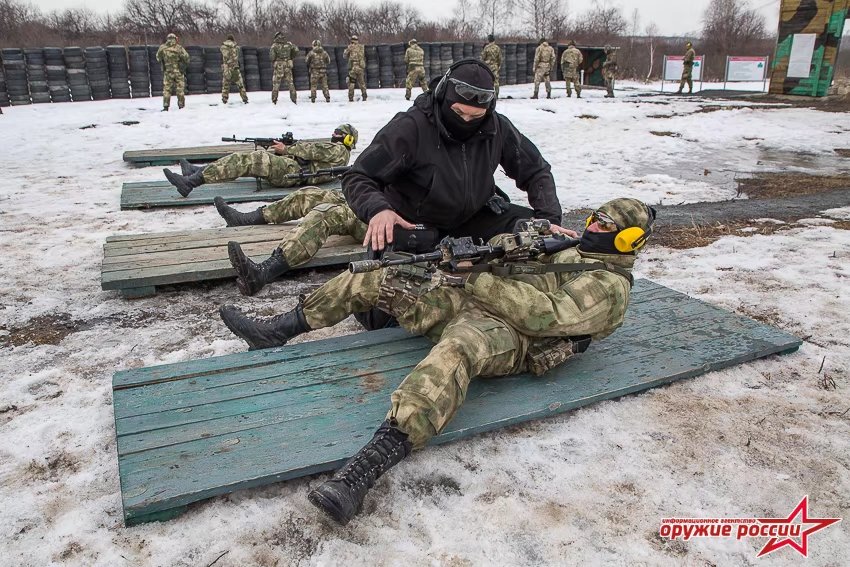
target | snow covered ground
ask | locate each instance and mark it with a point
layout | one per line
(590, 486)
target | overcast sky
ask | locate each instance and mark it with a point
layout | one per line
(674, 17)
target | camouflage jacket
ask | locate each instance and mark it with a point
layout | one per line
(690, 54)
(282, 53)
(229, 54)
(320, 155)
(610, 64)
(414, 57)
(491, 55)
(544, 57)
(565, 304)
(356, 55)
(172, 57)
(571, 60)
(318, 59)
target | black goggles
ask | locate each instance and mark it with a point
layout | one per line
(472, 93)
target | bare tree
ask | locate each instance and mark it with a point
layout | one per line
(651, 41)
(543, 18)
(164, 16)
(731, 24)
(603, 23)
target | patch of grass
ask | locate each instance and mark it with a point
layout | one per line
(665, 133)
(778, 185)
(696, 236)
(588, 117)
(843, 152)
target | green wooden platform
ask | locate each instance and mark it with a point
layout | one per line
(202, 428)
(135, 264)
(166, 156)
(156, 194)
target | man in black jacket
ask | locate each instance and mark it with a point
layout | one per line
(434, 165)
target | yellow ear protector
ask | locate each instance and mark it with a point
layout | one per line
(627, 239)
(348, 141)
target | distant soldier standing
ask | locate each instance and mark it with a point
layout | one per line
(414, 57)
(282, 53)
(230, 72)
(688, 69)
(174, 60)
(609, 70)
(356, 56)
(317, 62)
(491, 55)
(571, 61)
(544, 61)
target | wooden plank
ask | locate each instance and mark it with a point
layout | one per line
(158, 194)
(137, 263)
(165, 156)
(192, 430)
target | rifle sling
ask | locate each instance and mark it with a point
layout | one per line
(510, 269)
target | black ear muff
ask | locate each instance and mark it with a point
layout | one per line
(440, 90)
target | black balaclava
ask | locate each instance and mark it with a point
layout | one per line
(475, 75)
(599, 242)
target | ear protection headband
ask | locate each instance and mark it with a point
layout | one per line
(440, 90)
(630, 238)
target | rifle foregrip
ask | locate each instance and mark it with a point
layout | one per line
(364, 266)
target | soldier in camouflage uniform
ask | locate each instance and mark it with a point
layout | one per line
(491, 55)
(414, 57)
(174, 60)
(688, 69)
(483, 326)
(230, 72)
(356, 55)
(323, 213)
(273, 165)
(544, 62)
(282, 54)
(571, 61)
(609, 70)
(317, 63)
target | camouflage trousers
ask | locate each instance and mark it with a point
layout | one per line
(176, 81)
(323, 212)
(572, 78)
(234, 76)
(356, 76)
(282, 72)
(687, 73)
(415, 76)
(542, 75)
(258, 163)
(470, 342)
(609, 77)
(319, 79)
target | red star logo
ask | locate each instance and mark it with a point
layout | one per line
(802, 509)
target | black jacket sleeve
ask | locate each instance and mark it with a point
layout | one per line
(387, 158)
(523, 163)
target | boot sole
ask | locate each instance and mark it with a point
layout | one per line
(236, 261)
(327, 507)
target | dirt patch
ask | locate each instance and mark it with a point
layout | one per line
(683, 237)
(834, 103)
(778, 185)
(53, 468)
(588, 117)
(843, 152)
(433, 485)
(665, 133)
(42, 330)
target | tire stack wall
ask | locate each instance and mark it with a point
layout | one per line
(140, 78)
(155, 70)
(385, 66)
(435, 66)
(426, 61)
(4, 94)
(342, 66)
(530, 49)
(521, 64)
(559, 50)
(15, 69)
(57, 80)
(266, 71)
(333, 70)
(75, 69)
(119, 74)
(399, 68)
(373, 68)
(212, 69)
(37, 75)
(503, 70)
(252, 69)
(510, 64)
(97, 72)
(299, 70)
(468, 50)
(446, 58)
(457, 51)
(196, 72)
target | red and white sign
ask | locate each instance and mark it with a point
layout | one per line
(746, 69)
(673, 65)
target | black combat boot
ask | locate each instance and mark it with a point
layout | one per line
(235, 218)
(264, 333)
(342, 496)
(184, 183)
(250, 276)
(188, 169)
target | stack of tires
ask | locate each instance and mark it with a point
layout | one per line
(385, 66)
(37, 75)
(266, 70)
(333, 70)
(510, 64)
(140, 79)
(252, 68)
(434, 64)
(96, 69)
(57, 83)
(373, 68)
(457, 51)
(446, 57)
(521, 64)
(399, 68)
(15, 69)
(212, 69)
(426, 61)
(155, 70)
(75, 68)
(341, 66)
(119, 73)
(530, 50)
(195, 72)
(468, 50)
(4, 94)
(503, 70)
(299, 70)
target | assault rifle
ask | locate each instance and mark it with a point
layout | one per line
(330, 171)
(462, 255)
(266, 143)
